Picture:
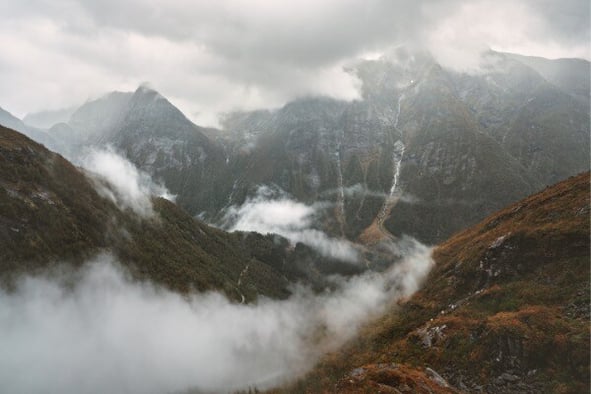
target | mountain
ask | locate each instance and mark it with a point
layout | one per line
(96, 118)
(52, 214)
(426, 151)
(570, 75)
(538, 120)
(156, 137)
(505, 310)
(12, 122)
(47, 119)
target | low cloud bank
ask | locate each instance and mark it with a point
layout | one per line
(128, 187)
(106, 333)
(359, 190)
(293, 220)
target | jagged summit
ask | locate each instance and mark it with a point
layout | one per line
(158, 138)
(151, 113)
(144, 110)
(473, 142)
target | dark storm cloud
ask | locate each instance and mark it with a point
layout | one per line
(215, 56)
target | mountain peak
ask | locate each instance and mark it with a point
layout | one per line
(9, 120)
(146, 90)
(155, 112)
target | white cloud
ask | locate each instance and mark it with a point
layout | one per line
(290, 219)
(126, 186)
(458, 39)
(212, 57)
(95, 331)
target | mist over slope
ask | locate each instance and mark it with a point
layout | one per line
(290, 219)
(504, 310)
(239, 196)
(471, 143)
(456, 145)
(158, 138)
(96, 331)
(53, 212)
(106, 288)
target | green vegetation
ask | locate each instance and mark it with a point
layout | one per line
(51, 214)
(506, 308)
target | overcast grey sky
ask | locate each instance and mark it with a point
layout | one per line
(220, 55)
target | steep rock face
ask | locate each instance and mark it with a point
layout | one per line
(426, 151)
(157, 138)
(570, 75)
(293, 148)
(50, 213)
(540, 121)
(455, 171)
(96, 119)
(505, 310)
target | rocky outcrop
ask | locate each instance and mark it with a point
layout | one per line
(473, 143)
(505, 309)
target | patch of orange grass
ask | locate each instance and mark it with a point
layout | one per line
(372, 234)
(521, 319)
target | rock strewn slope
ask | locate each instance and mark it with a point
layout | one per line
(505, 310)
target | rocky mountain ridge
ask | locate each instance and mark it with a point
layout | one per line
(472, 143)
(505, 310)
(51, 214)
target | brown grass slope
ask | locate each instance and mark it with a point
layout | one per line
(505, 310)
(50, 214)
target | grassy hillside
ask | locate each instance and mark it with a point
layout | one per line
(50, 213)
(506, 309)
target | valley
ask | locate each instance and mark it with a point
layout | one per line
(505, 309)
(451, 147)
(430, 235)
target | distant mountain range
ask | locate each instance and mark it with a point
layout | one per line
(426, 151)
